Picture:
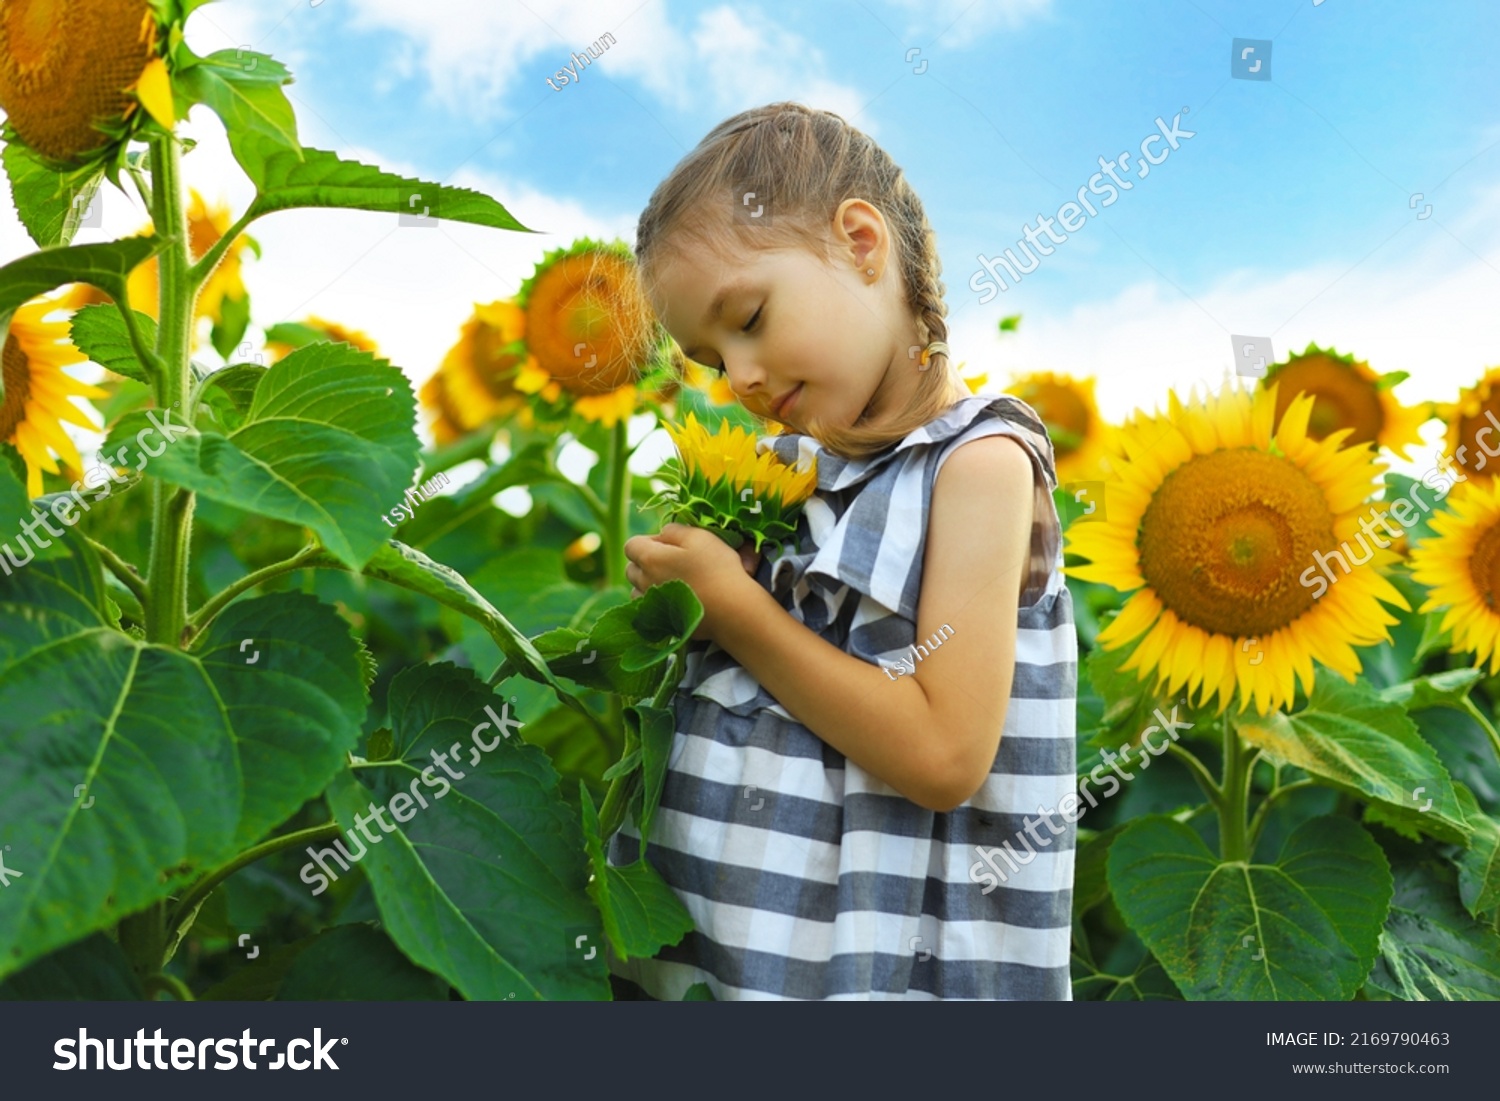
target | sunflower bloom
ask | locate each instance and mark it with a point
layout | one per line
(719, 481)
(206, 225)
(476, 382)
(1473, 416)
(1080, 436)
(315, 328)
(38, 392)
(1215, 523)
(66, 65)
(589, 330)
(1347, 394)
(1460, 564)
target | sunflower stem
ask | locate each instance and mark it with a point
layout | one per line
(1233, 844)
(1200, 773)
(211, 608)
(1489, 728)
(149, 361)
(201, 270)
(172, 510)
(617, 521)
(122, 570)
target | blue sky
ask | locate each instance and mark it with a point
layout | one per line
(1287, 214)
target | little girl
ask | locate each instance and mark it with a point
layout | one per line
(838, 786)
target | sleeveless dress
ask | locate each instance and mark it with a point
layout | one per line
(809, 878)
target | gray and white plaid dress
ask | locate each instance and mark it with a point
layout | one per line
(807, 877)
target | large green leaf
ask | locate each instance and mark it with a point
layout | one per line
(328, 443)
(1431, 950)
(357, 963)
(105, 266)
(287, 177)
(484, 885)
(1303, 928)
(90, 970)
(244, 89)
(641, 913)
(1352, 739)
(99, 332)
(125, 766)
(50, 204)
(1479, 864)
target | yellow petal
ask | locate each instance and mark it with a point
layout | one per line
(154, 90)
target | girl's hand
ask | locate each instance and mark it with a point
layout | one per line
(711, 568)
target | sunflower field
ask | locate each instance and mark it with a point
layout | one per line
(253, 627)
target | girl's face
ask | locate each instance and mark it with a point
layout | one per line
(785, 326)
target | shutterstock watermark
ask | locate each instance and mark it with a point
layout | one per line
(404, 806)
(1070, 214)
(1440, 478)
(63, 505)
(986, 870)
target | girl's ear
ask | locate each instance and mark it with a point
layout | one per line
(862, 233)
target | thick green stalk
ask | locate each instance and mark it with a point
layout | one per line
(617, 522)
(1233, 840)
(172, 509)
(144, 936)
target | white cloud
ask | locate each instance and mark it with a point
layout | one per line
(477, 55)
(961, 23)
(1422, 303)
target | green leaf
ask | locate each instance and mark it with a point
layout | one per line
(90, 970)
(623, 649)
(1351, 739)
(1430, 949)
(229, 329)
(327, 443)
(655, 728)
(1446, 689)
(1091, 862)
(357, 963)
(244, 89)
(105, 266)
(576, 747)
(50, 203)
(1479, 864)
(226, 396)
(699, 992)
(1010, 324)
(125, 767)
(641, 913)
(99, 332)
(1303, 928)
(483, 885)
(286, 178)
(402, 565)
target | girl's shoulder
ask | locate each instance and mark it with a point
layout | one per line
(969, 418)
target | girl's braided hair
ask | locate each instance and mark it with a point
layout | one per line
(800, 163)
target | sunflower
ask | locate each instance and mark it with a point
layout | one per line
(721, 482)
(296, 334)
(37, 391)
(206, 225)
(588, 330)
(1473, 415)
(1219, 525)
(1348, 394)
(68, 68)
(1460, 563)
(475, 383)
(1080, 437)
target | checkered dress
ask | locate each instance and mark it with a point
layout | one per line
(807, 877)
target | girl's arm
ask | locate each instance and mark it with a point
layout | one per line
(932, 734)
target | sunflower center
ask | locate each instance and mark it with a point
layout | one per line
(1227, 535)
(1484, 565)
(17, 375)
(1341, 398)
(1470, 427)
(29, 32)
